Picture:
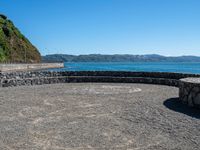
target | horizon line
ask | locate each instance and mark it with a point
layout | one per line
(124, 54)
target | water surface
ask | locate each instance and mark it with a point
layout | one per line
(183, 67)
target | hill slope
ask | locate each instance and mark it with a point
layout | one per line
(15, 47)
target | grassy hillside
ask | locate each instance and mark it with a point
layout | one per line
(14, 46)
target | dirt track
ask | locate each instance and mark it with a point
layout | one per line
(96, 116)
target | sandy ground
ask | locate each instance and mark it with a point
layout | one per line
(96, 116)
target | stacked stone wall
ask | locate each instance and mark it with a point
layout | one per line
(48, 77)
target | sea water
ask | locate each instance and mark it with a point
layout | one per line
(182, 67)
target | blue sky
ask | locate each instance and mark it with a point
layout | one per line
(167, 27)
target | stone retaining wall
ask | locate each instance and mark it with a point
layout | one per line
(25, 67)
(78, 79)
(189, 88)
(41, 77)
(189, 91)
(32, 74)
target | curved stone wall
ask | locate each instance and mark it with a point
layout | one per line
(167, 75)
(41, 77)
(189, 88)
(189, 91)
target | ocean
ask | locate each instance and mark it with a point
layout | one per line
(181, 67)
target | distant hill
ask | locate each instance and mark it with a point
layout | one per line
(14, 46)
(117, 58)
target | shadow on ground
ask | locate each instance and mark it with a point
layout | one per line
(176, 105)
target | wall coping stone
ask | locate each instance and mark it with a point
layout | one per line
(191, 80)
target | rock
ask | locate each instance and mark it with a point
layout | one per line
(197, 99)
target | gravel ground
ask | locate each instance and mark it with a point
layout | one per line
(99, 116)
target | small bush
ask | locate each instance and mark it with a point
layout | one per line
(3, 16)
(2, 55)
(2, 21)
(6, 31)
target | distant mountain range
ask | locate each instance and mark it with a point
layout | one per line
(117, 58)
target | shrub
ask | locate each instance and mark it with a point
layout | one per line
(3, 16)
(2, 55)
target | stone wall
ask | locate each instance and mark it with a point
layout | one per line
(43, 77)
(189, 91)
(25, 67)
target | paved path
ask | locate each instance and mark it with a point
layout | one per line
(96, 116)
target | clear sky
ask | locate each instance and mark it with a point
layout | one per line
(167, 27)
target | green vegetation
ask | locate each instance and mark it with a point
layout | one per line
(14, 46)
